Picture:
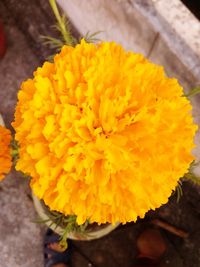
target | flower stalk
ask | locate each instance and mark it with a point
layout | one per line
(62, 24)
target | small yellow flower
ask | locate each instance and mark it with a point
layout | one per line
(5, 156)
(104, 134)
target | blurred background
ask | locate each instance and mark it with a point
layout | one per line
(167, 32)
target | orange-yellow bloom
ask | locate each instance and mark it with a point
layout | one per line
(5, 156)
(104, 133)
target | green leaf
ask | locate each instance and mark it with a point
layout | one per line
(14, 151)
(41, 221)
(192, 177)
(91, 38)
(179, 191)
(193, 92)
(190, 174)
(51, 41)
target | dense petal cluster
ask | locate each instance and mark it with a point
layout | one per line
(5, 155)
(103, 133)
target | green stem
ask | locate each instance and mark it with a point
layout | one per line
(62, 25)
(14, 152)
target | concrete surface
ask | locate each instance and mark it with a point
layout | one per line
(20, 238)
(140, 26)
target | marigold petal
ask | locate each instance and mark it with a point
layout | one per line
(104, 133)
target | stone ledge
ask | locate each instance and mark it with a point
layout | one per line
(146, 27)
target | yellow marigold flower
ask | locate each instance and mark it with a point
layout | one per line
(104, 133)
(5, 156)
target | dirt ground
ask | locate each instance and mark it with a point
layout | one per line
(20, 238)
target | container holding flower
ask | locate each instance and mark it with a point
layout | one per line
(67, 227)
